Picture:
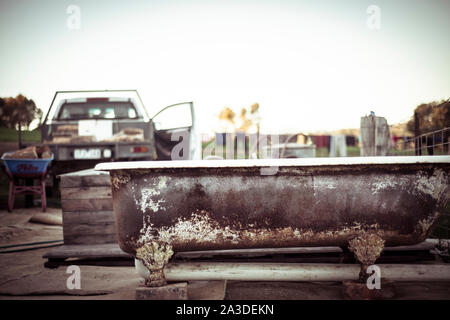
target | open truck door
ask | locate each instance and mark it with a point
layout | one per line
(175, 133)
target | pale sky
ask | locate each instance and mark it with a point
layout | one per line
(311, 65)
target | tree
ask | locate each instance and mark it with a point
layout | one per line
(227, 114)
(2, 109)
(18, 110)
(247, 118)
(432, 116)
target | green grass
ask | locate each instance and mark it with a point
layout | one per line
(12, 135)
(351, 152)
(438, 151)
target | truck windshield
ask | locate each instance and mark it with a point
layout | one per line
(97, 110)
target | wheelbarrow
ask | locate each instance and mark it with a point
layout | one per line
(17, 169)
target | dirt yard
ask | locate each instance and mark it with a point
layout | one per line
(23, 276)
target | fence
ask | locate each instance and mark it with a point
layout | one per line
(431, 143)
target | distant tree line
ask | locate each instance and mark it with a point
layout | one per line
(18, 110)
(247, 118)
(431, 116)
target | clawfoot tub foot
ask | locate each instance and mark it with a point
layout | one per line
(366, 247)
(154, 256)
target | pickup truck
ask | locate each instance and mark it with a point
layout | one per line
(83, 128)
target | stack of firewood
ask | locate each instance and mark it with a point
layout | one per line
(33, 152)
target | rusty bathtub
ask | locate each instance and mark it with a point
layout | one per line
(362, 203)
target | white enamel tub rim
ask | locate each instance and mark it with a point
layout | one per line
(248, 163)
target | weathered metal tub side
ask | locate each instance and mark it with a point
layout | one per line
(161, 207)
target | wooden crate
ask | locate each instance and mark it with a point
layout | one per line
(87, 206)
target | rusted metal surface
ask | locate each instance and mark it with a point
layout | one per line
(316, 203)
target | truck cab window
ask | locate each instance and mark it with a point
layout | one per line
(131, 113)
(96, 110)
(109, 113)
